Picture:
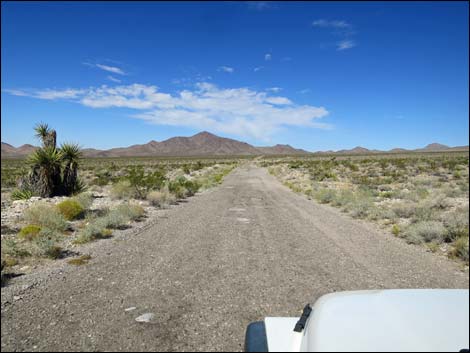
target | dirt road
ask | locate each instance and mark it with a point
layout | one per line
(248, 249)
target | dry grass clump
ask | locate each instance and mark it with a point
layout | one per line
(123, 190)
(161, 198)
(45, 216)
(79, 261)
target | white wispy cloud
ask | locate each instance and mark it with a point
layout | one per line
(258, 68)
(274, 89)
(304, 91)
(267, 57)
(112, 69)
(226, 69)
(260, 5)
(114, 79)
(339, 28)
(345, 44)
(239, 111)
(331, 24)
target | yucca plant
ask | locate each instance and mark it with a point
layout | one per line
(70, 154)
(45, 174)
(46, 135)
(46, 177)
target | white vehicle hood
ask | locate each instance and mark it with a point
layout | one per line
(375, 321)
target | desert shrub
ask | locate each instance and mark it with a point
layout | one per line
(423, 212)
(13, 248)
(103, 177)
(29, 232)
(439, 202)
(343, 198)
(425, 231)
(143, 182)
(160, 198)
(92, 231)
(403, 209)
(177, 188)
(123, 190)
(85, 199)
(113, 220)
(361, 207)
(325, 195)
(47, 247)
(456, 224)
(132, 211)
(70, 209)
(386, 194)
(45, 216)
(19, 194)
(461, 248)
(396, 230)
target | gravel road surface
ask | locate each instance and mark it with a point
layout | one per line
(248, 249)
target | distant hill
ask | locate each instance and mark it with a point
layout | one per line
(433, 147)
(8, 151)
(281, 149)
(201, 144)
(207, 144)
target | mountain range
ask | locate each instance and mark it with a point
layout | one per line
(207, 144)
(201, 144)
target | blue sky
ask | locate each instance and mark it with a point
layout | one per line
(318, 76)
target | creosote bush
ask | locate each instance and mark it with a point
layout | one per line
(29, 232)
(70, 209)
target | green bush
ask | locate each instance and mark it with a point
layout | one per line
(143, 182)
(70, 209)
(45, 216)
(29, 232)
(396, 230)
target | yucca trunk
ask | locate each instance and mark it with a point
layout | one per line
(70, 178)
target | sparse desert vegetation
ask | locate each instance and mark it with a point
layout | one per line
(422, 198)
(45, 218)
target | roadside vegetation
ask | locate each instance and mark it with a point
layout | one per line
(55, 200)
(422, 198)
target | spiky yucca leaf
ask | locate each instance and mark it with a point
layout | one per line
(42, 130)
(70, 152)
